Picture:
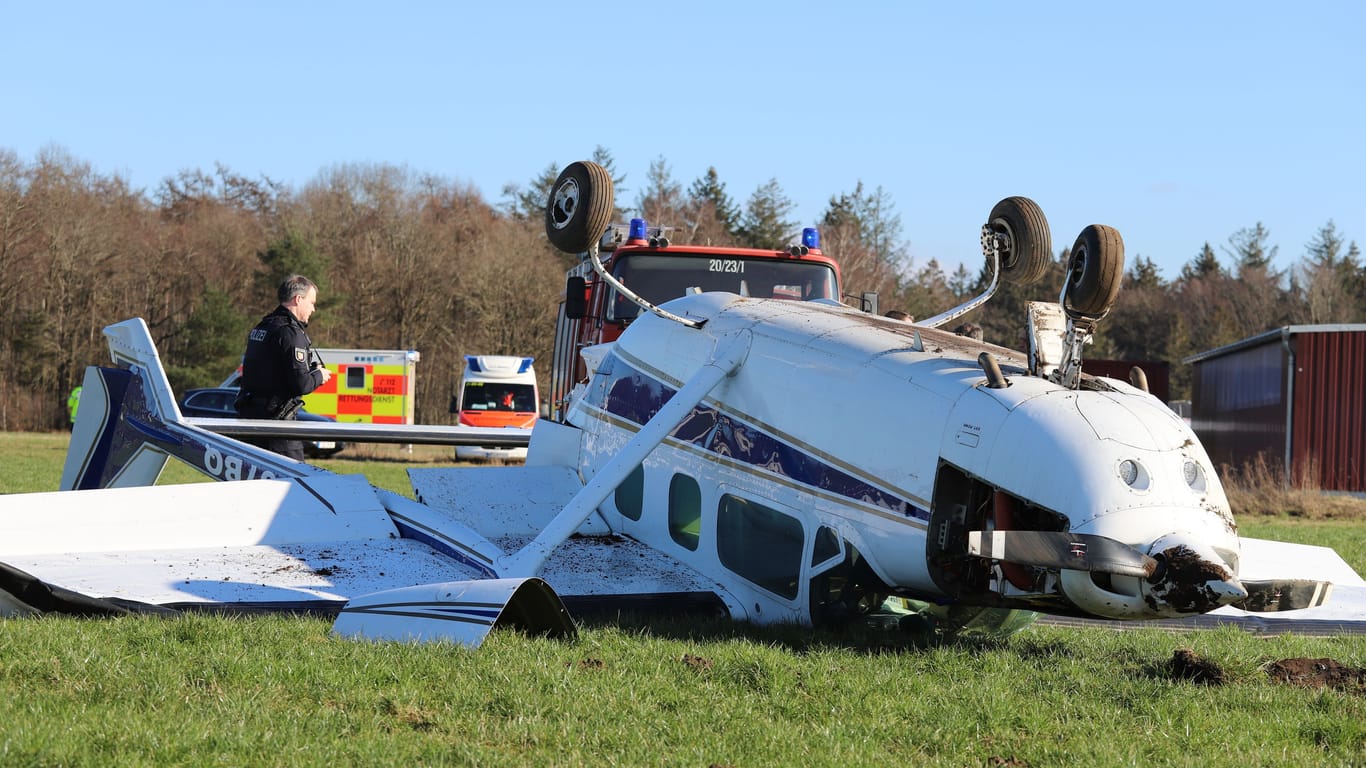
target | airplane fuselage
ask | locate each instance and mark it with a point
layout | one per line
(851, 455)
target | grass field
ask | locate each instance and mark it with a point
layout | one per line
(205, 690)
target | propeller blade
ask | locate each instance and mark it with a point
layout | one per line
(1284, 595)
(1058, 549)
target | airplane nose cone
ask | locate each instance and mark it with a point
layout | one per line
(1190, 577)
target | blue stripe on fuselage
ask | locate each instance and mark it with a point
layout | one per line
(635, 396)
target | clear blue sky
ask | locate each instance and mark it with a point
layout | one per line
(1176, 122)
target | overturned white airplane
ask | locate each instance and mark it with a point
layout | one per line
(739, 453)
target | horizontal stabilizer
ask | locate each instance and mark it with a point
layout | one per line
(461, 612)
(1061, 550)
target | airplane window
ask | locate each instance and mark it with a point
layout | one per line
(630, 495)
(761, 544)
(685, 511)
(827, 545)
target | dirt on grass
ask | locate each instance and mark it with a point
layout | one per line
(1185, 664)
(1318, 673)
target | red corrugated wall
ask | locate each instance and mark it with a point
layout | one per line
(1328, 441)
(1157, 371)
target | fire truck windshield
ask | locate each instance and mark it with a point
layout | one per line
(658, 278)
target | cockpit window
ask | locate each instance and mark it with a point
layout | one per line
(660, 278)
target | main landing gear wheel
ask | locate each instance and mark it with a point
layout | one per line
(580, 206)
(1095, 270)
(1028, 246)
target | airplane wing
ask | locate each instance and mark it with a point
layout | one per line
(418, 434)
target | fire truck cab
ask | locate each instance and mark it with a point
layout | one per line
(644, 260)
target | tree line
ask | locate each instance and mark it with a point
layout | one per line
(412, 260)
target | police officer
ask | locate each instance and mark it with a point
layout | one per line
(279, 366)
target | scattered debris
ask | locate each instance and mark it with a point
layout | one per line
(1186, 664)
(698, 663)
(1318, 673)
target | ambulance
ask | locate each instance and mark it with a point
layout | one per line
(496, 391)
(369, 386)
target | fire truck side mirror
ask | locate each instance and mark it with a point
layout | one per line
(575, 298)
(869, 302)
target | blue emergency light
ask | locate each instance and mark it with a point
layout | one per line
(637, 231)
(811, 237)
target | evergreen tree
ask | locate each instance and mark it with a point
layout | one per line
(712, 215)
(211, 341)
(765, 223)
(1251, 250)
(1203, 264)
(1258, 298)
(292, 254)
(1139, 328)
(961, 282)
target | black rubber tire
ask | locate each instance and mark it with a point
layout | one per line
(1095, 270)
(1029, 245)
(579, 206)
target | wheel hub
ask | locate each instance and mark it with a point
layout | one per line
(564, 203)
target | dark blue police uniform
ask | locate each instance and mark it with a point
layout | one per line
(278, 369)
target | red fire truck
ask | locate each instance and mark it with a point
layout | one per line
(643, 260)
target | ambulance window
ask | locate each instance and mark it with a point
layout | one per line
(761, 544)
(355, 377)
(685, 511)
(630, 496)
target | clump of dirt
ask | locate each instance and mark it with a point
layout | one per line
(1008, 762)
(590, 663)
(1187, 665)
(698, 663)
(1318, 673)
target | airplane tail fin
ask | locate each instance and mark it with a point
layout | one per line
(128, 425)
(139, 384)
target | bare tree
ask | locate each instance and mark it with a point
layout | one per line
(661, 203)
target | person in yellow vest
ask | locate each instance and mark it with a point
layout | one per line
(73, 400)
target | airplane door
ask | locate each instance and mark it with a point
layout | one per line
(772, 552)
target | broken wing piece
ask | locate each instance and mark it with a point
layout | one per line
(1284, 595)
(463, 612)
(22, 594)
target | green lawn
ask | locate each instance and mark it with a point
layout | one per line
(280, 691)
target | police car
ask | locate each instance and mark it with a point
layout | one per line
(217, 403)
